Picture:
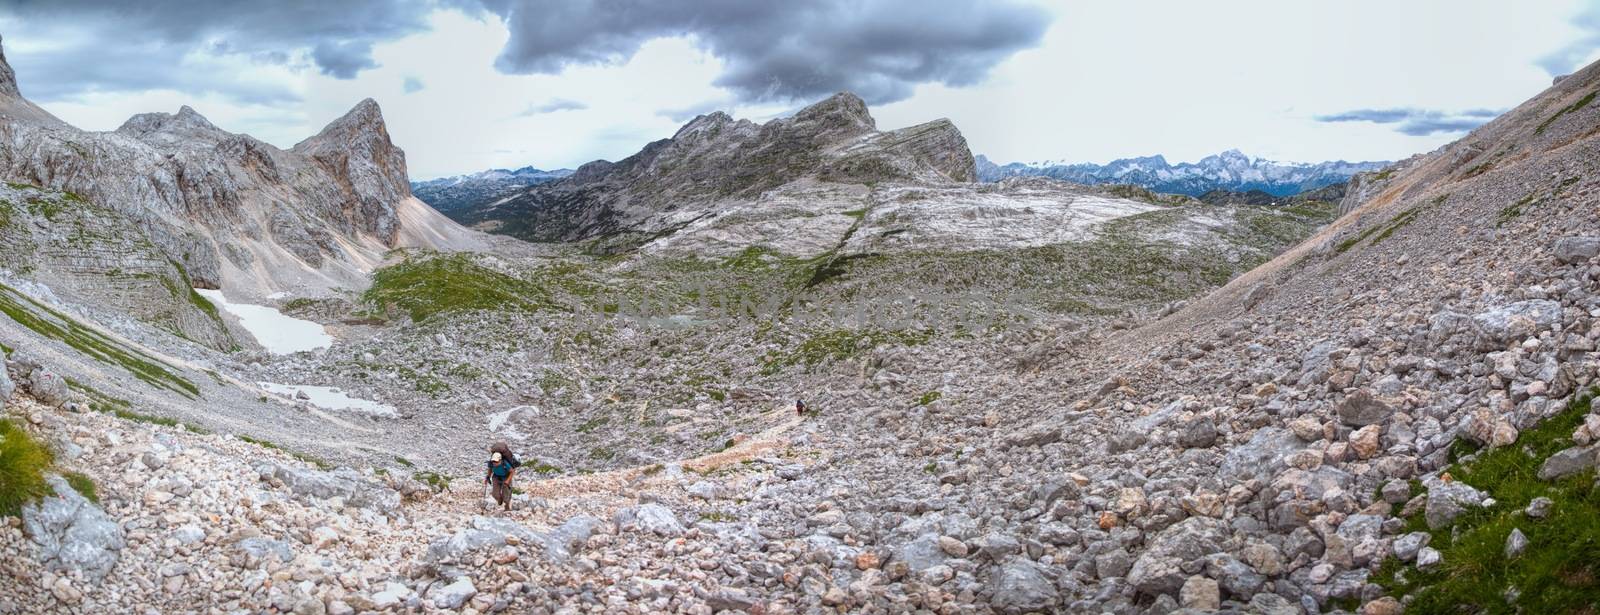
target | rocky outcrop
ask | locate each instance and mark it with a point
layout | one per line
(226, 209)
(72, 533)
(715, 162)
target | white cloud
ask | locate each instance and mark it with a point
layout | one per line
(1110, 79)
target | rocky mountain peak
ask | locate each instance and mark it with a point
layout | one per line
(8, 78)
(843, 114)
(186, 123)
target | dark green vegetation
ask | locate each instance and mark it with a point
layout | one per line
(83, 485)
(23, 462)
(1560, 570)
(425, 285)
(313, 460)
(839, 344)
(1536, 197)
(1581, 103)
(55, 325)
(1384, 231)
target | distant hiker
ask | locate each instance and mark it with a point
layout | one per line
(502, 467)
(800, 407)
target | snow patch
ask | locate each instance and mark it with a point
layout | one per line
(278, 333)
(330, 398)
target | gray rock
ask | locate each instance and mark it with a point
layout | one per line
(1020, 586)
(1516, 543)
(1159, 569)
(998, 546)
(1238, 578)
(1428, 557)
(1058, 534)
(454, 595)
(1396, 491)
(452, 548)
(1360, 409)
(1519, 320)
(1198, 433)
(254, 552)
(1539, 508)
(1575, 250)
(49, 387)
(72, 532)
(653, 518)
(560, 542)
(1261, 457)
(1447, 500)
(6, 385)
(355, 489)
(1113, 563)
(1406, 547)
(921, 553)
(1568, 462)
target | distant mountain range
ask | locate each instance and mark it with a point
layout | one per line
(452, 193)
(1230, 170)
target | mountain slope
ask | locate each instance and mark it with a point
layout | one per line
(715, 160)
(226, 209)
(448, 194)
(1230, 170)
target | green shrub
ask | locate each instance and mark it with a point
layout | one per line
(23, 462)
(83, 485)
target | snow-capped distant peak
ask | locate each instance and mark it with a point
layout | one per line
(1228, 170)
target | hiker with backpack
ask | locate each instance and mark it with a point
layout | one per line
(502, 467)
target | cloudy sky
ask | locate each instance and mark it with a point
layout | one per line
(472, 84)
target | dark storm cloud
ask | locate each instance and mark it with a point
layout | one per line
(116, 46)
(554, 105)
(1568, 57)
(781, 51)
(1417, 122)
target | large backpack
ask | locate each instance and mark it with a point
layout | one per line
(506, 454)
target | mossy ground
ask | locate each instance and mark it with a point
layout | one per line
(23, 463)
(55, 325)
(426, 285)
(1560, 570)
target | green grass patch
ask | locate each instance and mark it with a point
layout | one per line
(434, 480)
(83, 485)
(717, 517)
(592, 424)
(1560, 570)
(929, 397)
(1514, 210)
(320, 463)
(425, 286)
(856, 213)
(1581, 103)
(404, 462)
(23, 462)
(840, 344)
(55, 325)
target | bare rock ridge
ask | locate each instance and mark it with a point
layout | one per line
(226, 209)
(715, 160)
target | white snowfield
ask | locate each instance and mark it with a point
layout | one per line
(330, 398)
(278, 333)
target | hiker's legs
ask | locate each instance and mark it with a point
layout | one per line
(502, 494)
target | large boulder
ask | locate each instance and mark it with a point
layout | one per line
(454, 595)
(73, 533)
(1261, 457)
(49, 387)
(653, 518)
(1568, 462)
(559, 542)
(1159, 570)
(1574, 250)
(355, 489)
(1448, 500)
(1360, 409)
(1020, 586)
(1517, 321)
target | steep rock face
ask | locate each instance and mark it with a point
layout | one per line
(715, 162)
(227, 209)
